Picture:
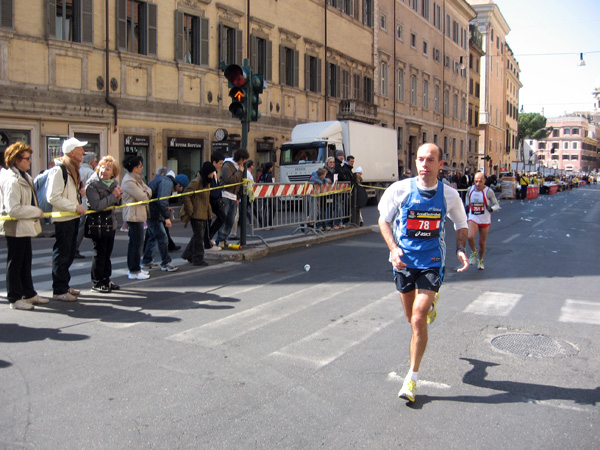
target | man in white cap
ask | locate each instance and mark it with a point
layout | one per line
(65, 197)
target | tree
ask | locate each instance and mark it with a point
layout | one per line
(531, 126)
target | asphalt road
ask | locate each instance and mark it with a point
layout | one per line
(263, 354)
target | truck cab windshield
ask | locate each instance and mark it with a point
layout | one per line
(297, 154)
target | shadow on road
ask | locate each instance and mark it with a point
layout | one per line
(512, 391)
(12, 333)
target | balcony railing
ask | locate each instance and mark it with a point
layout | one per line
(357, 110)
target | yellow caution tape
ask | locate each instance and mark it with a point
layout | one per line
(143, 202)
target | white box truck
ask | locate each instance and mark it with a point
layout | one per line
(374, 148)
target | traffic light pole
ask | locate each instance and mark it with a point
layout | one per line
(244, 203)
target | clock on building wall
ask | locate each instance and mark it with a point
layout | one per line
(221, 134)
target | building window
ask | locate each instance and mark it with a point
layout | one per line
(136, 27)
(288, 66)
(400, 32)
(425, 9)
(261, 56)
(437, 16)
(383, 21)
(413, 40)
(6, 17)
(383, 75)
(455, 106)
(574, 157)
(230, 45)
(446, 103)
(368, 13)
(68, 20)
(368, 89)
(566, 145)
(436, 54)
(567, 131)
(436, 98)
(345, 84)
(574, 145)
(575, 131)
(312, 75)
(413, 90)
(425, 48)
(425, 95)
(555, 132)
(356, 87)
(333, 80)
(191, 39)
(414, 4)
(463, 109)
(400, 95)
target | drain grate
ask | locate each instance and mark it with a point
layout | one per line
(533, 345)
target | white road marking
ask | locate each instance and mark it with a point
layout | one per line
(334, 340)
(580, 311)
(393, 376)
(514, 236)
(236, 325)
(493, 304)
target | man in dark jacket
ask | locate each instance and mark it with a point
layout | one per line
(232, 173)
(464, 183)
(160, 218)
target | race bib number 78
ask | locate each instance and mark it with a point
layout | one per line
(423, 224)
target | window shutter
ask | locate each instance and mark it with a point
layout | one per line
(87, 21)
(179, 37)
(296, 68)
(221, 49)
(338, 78)
(281, 64)
(269, 74)
(253, 53)
(319, 72)
(6, 13)
(50, 16)
(122, 25)
(306, 72)
(239, 47)
(151, 29)
(204, 41)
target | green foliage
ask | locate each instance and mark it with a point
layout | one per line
(533, 126)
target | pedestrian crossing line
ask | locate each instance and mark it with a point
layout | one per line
(579, 311)
(514, 236)
(328, 344)
(257, 284)
(393, 376)
(493, 304)
(233, 326)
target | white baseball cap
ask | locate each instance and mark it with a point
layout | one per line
(358, 170)
(71, 144)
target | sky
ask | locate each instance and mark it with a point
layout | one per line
(555, 84)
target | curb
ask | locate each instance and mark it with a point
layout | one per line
(252, 253)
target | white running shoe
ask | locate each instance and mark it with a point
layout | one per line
(473, 258)
(138, 276)
(408, 391)
(480, 264)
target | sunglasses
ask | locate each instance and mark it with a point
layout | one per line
(26, 159)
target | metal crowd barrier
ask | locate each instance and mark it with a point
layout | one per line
(307, 206)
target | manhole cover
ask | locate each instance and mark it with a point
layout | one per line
(533, 345)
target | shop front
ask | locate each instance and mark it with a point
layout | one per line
(138, 145)
(184, 155)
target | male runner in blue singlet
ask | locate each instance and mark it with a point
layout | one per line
(412, 214)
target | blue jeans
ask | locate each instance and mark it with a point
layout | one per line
(63, 254)
(156, 236)
(136, 246)
(230, 210)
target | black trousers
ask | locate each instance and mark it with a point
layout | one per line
(102, 265)
(19, 283)
(219, 212)
(194, 251)
(63, 254)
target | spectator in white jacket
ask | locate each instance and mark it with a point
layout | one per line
(87, 169)
(18, 200)
(65, 197)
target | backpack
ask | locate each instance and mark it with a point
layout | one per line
(41, 185)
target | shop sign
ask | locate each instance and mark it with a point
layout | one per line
(186, 143)
(137, 141)
(264, 146)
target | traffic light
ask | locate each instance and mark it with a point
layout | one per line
(256, 88)
(239, 86)
(487, 157)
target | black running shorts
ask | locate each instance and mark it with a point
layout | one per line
(408, 280)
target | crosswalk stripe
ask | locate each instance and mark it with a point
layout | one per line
(493, 304)
(329, 343)
(236, 325)
(579, 311)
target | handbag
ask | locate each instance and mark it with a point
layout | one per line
(98, 225)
